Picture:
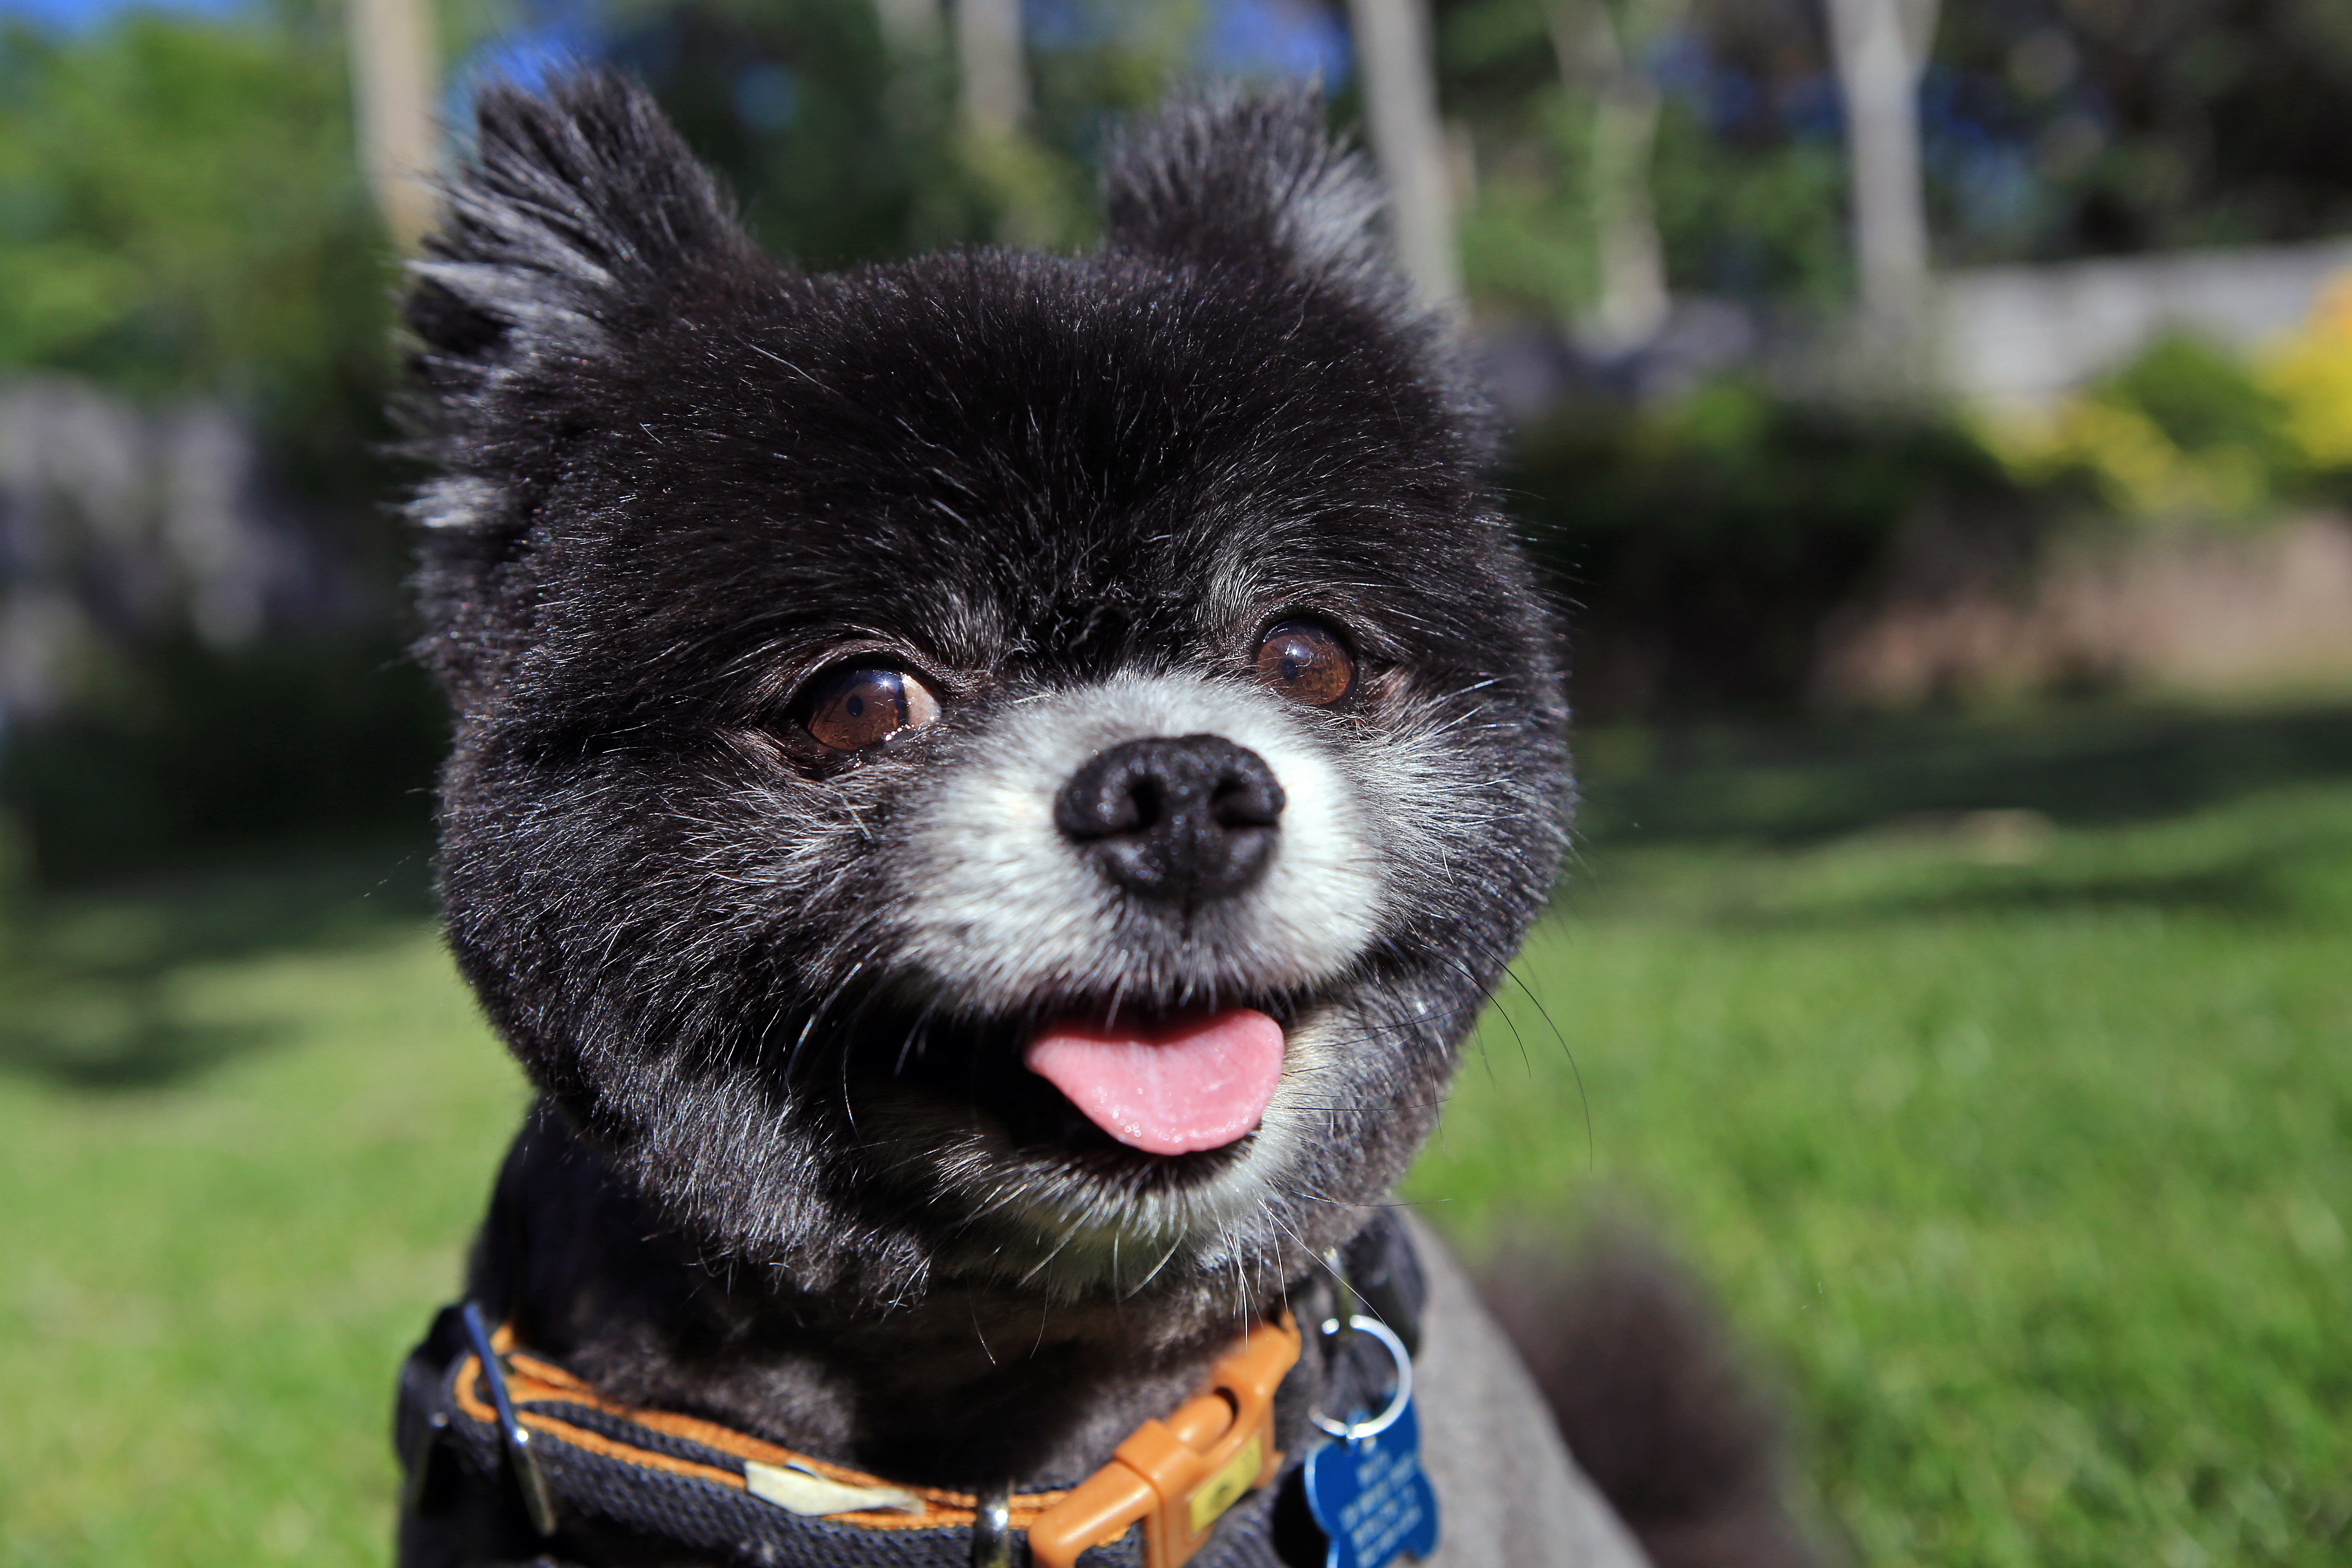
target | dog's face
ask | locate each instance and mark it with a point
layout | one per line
(998, 767)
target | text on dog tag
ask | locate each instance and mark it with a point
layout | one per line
(1371, 1498)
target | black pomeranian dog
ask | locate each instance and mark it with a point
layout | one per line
(987, 794)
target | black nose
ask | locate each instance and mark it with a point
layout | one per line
(1188, 818)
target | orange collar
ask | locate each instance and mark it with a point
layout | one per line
(1175, 1477)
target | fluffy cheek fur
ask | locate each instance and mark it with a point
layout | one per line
(696, 910)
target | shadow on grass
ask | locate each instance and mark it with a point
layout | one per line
(2251, 888)
(131, 1042)
(86, 978)
(1793, 785)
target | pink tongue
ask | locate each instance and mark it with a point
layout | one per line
(1198, 1081)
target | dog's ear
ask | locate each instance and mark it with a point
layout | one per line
(1249, 180)
(580, 223)
(579, 207)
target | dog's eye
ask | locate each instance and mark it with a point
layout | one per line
(1304, 661)
(855, 708)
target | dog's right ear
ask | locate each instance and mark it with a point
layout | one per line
(581, 222)
(580, 207)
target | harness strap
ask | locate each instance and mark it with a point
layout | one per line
(623, 1473)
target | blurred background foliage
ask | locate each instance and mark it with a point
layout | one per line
(181, 213)
(841, 154)
(1704, 542)
(182, 226)
(2052, 129)
(2189, 430)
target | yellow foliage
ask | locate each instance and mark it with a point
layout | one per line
(2311, 374)
(2139, 471)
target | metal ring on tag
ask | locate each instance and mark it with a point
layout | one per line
(1356, 1432)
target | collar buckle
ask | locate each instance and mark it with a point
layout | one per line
(1177, 1477)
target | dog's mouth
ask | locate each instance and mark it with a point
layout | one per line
(1084, 1141)
(1103, 1086)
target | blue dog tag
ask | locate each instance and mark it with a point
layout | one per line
(1370, 1496)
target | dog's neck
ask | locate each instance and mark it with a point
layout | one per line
(972, 1385)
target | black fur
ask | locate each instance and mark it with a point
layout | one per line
(790, 1171)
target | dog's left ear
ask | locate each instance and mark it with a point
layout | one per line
(1248, 181)
(1247, 184)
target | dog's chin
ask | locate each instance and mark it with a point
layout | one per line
(1041, 1198)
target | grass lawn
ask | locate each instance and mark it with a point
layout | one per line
(1998, 1074)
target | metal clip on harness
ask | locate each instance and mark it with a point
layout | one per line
(538, 1502)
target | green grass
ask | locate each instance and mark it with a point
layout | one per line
(2023, 1148)
(251, 1125)
(2020, 1146)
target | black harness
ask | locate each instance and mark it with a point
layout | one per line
(510, 1459)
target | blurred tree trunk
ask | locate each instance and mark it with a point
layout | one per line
(1391, 39)
(911, 27)
(1881, 47)
(1038, 202)
(1600, 46)
(393, 87)
(988, 62)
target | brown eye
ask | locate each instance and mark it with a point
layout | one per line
(1304, 661)
(854, 710)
